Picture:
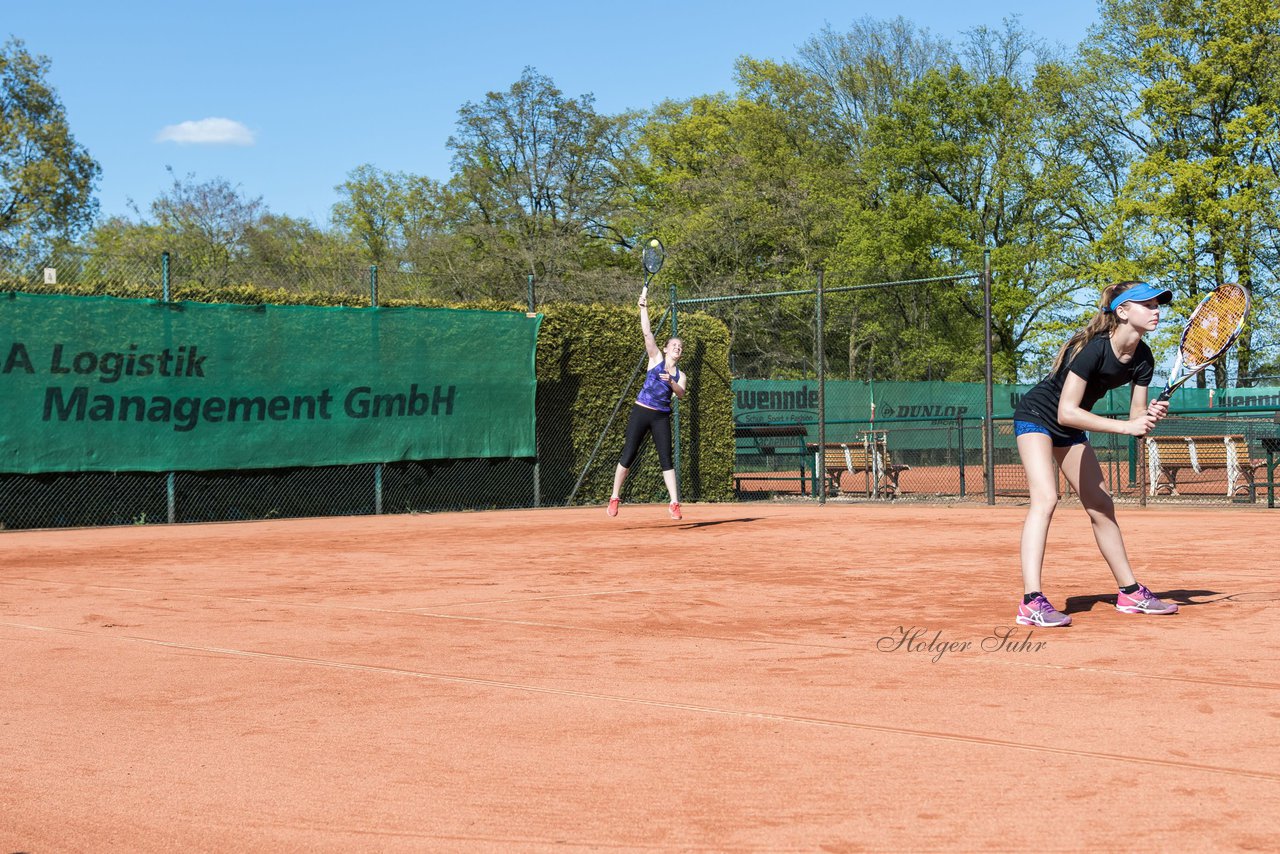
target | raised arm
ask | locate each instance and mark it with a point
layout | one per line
(650, 344)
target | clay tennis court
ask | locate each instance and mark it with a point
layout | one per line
(759, 677)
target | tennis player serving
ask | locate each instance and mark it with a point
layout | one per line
(651, 412)
(1050, 424)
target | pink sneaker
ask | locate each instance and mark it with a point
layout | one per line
(612, 510)
(675, 510)
(1038, 612)
(1143, 601)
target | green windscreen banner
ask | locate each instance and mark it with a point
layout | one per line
(796, 401)
(107, 384)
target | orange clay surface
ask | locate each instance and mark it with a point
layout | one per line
(757, 677)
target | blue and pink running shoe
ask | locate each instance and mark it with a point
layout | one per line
(1143, 601)
(1038, 612)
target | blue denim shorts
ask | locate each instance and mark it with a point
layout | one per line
(1077, 437)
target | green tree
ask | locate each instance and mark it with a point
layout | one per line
(969, 159)
(205, 226)
(1194, 90)
(537, 179)
(370, 209)
(295, 254)
(860, 73)
(757, 191)
(206, 223)
(46, 178)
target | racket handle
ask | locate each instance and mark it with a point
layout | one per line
(1174, 386)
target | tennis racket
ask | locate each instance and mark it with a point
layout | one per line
(1211, 329)
(652, 258)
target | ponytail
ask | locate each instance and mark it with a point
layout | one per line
(1102, 323)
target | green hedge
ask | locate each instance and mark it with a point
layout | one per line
(590, 358)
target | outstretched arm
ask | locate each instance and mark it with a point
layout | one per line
(650, 344)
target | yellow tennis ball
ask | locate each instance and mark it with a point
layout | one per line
(654, 243)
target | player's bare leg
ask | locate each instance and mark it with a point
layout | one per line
(1080, 466)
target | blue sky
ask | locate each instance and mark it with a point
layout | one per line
(289, 97)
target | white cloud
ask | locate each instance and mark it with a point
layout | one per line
(207, 132)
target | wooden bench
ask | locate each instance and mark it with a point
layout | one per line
(1167, 456)
(868, 458)
(770, 445)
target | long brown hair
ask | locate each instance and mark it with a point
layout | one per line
(1102, 323)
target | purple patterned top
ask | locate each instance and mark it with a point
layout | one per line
(656, 393)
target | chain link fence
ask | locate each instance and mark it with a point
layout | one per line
(141, 274)
(1223, 456)
(555, 477)
(1226, 457)
(146, 275)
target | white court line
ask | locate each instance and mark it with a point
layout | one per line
(666, 704)
(528, 599)
(541, 624)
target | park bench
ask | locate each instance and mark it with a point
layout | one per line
(867, 458)
(777, 449)
(1169, 456)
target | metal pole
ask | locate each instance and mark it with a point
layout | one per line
(537, 460)
(989, 463)
(675, 401)
(822, 393)
(377, 467)
(171, 498)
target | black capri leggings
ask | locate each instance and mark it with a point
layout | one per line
(645, 420)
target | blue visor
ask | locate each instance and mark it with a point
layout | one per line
(1142, 292)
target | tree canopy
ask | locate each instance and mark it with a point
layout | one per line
(879, 153)
(46, 177)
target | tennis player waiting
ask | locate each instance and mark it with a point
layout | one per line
(651, 413)
(1050, 424)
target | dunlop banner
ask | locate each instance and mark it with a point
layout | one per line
(107, 384)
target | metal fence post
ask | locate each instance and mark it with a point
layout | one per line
(989, 463)
(820, 345)
(537, 458)
(377, 467)
(675, 401)
(171, 503)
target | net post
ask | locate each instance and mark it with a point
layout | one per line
(989, 464)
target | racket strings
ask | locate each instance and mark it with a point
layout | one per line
(652, 260)
(1213, 326)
